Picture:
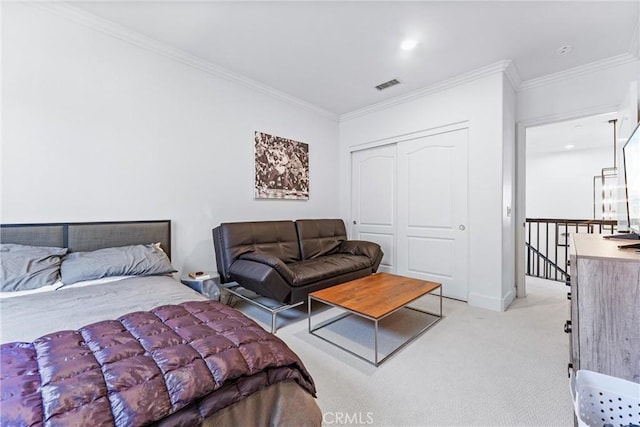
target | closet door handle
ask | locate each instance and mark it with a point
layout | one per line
(461, 227)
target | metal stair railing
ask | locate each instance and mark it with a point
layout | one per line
(547, 242)
(548, 264)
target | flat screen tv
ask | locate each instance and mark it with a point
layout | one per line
(631, 155)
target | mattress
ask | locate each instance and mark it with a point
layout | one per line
(28, 317)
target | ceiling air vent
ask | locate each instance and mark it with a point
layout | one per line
(387, 84)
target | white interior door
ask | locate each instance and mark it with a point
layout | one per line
(373, 192)
(432, 210)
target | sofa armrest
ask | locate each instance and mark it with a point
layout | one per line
(272, 261)
(371, 250)
(261, 279)
(360, 247)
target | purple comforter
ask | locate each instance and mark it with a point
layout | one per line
(176, 364)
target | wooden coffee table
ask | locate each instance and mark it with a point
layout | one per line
(375, 297)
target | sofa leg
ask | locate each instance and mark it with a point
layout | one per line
(273, 306)
(273, 321)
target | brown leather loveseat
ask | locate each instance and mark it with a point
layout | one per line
(286, 260)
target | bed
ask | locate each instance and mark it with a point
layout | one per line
(133, 349)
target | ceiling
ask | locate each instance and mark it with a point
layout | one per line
(579, 134)
(332, 53)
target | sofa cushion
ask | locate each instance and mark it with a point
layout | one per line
(273, 262)
(312, 270)
(319, 237)
(232, 239)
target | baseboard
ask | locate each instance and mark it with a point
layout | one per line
(492, 303)
(508, 299)
(483, 301)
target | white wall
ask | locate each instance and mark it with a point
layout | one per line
(508, 193)
(560, 184)
(95, 129)
(479, 102)
(595, 89)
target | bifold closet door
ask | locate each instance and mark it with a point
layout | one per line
(373, 200)
(432, 235)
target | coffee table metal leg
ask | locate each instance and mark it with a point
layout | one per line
(375, 345)
(376, 359)
(309, 312)
(335, 319)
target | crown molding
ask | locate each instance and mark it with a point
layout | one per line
(592, 67)
(94, 22)
(513, 75)
(461, 79)
(65, 10)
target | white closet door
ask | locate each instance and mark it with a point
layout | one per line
(432, 210)
(373, 192)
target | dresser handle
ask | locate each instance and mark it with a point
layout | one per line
(567, 326)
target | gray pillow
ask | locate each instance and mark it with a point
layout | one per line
(25, 267)
(135, 260)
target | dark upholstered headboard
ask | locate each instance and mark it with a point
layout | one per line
(89, 236)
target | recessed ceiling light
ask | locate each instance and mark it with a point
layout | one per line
(408, 44)
(569, 147)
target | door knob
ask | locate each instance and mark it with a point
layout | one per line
(461, 227)
(354, 222)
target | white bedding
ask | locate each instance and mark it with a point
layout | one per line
(59, 285)
(48, 288)
(28, 317)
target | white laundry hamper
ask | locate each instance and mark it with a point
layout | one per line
(602, 400)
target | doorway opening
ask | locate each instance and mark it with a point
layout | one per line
(572, 186)
(556, 162)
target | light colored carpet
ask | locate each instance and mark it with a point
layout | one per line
(474, 368)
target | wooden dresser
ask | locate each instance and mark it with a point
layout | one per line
(605, 307)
